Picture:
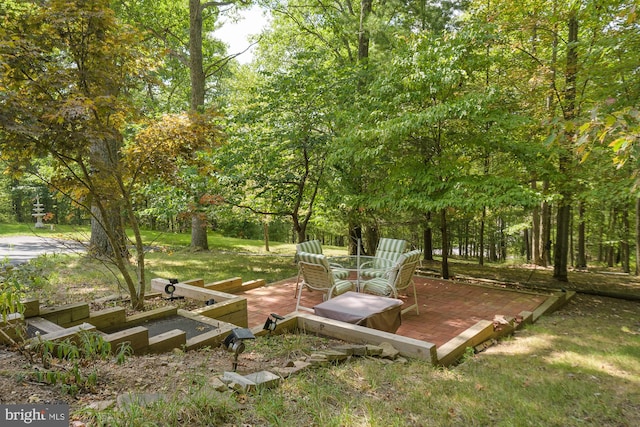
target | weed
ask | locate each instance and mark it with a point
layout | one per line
(68, 363)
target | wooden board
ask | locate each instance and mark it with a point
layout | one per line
(167, 341)
(453, 349)
(407, 347)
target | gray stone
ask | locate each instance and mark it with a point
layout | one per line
(388, 351)
(317, 359)
(238, 382)
(374, 350)
(291, 368)
(334, 355)
(352, 349)
(101, 405)
(147, 399)
(264, 379)
(217, 384)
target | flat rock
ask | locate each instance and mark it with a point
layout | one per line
(388, 351)
(144, 399)
(101, 405)
(264, 379)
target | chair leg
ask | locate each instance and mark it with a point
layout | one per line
(298, 306)
(415, 301)
(415, 297)
(297, 284)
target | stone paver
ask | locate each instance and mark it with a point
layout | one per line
(447, 308)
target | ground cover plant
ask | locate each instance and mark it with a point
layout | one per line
(578, 366)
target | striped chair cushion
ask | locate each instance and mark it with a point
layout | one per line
(377, 286)
(390, 249)
(341, 287)
(310, 246)
(314, 258)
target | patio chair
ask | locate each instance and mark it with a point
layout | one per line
(387, 255)
(399, 278)
(315, 247)
(317, 275)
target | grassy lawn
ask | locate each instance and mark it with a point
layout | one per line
(579, 366)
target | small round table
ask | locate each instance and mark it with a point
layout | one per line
(358, 265)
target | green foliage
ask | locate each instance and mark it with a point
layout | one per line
(68, 364)
(11, 291)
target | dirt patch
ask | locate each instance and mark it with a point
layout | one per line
(167, 373)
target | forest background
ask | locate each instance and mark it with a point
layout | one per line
(486, 129)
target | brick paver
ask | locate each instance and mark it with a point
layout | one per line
(446, 308)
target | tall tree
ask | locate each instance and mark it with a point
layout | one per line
(278, 151)
(184, 30)
(69, 70)
(561, 250)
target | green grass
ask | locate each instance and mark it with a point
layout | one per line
(579, 366)
(168, 256)
(576, 367)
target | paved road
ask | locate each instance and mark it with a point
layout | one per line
(20, 249)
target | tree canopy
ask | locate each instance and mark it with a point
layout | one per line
(500, 124)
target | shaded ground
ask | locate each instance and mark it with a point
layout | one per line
(175, 372)
(595, 281)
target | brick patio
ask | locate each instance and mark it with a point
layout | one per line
(446, 308)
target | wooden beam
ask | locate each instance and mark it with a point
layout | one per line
(109, 318)
(195, 282)
(231, 311)
(137, 337)
(192, 292)
(63, 334)
(157, 313)
(407, 347)
(229, 285)
(66, 314)
(452, 350)
(167, 341)
(45, 326)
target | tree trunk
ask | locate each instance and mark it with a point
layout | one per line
(299, 227)
(637, 236)
(355, 239)
(108, 239)
(199, 239)
(611, 238)
(562, 239)
(581, 261)
(466, 239)
(624, 242)
(99, 243)
(199, 233)
(445, 244)
(564, 160)
(265, 234)
(536, 247)
(371, 241)
(503, 240)
(428, 239)
(363, 32)
(545, 231)
(481, 239)
(571, 250)
(196, 68)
